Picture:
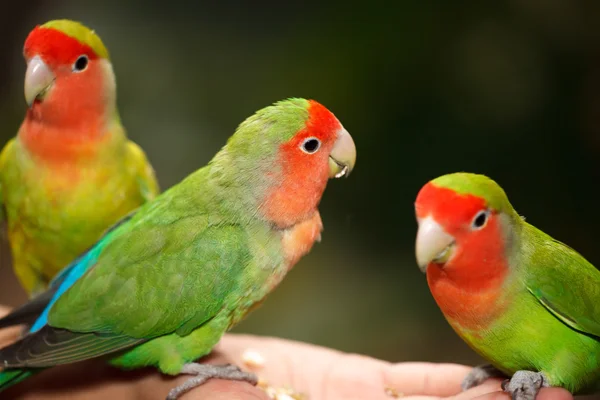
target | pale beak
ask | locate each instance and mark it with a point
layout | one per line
(433, 243)
(342, 156)
(38, 79)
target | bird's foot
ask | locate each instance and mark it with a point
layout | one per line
(480, 374)
(525, 385)
(204, 372)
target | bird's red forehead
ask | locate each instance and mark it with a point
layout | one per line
(446, 206)
(55, 47)
(321, 122)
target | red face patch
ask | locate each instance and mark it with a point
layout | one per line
(468, 286)
(72, 118)
(304, 174)
(55, 48)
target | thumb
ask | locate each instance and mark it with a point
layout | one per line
(8, 335)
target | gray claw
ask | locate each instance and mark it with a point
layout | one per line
(480, 374)
(525, 385)
(204, 372)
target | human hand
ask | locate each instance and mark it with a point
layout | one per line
(318, 373)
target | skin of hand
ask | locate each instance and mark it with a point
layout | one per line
(319, 373)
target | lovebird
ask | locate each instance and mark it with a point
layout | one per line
(70, 172)
(162, 286)
(527, 303)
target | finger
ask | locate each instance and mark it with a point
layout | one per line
(554, 394)
(489, 387)
(544, 394)
(218, 389)
(428, 379)
(329, 374)
(213, 389)
(8, 335)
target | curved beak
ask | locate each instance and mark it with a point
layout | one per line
(343, 155)
(38, 79)
(433, 243)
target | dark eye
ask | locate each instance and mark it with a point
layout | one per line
(81, 63)
(480, 219)
(311, 145)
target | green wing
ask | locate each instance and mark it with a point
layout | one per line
(169, 269)
(566, 284)
(162, 273)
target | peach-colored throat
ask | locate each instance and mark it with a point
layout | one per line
(296, 242)
(299, 239)
(58, 143)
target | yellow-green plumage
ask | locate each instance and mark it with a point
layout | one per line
(50, 220)
(71, 172)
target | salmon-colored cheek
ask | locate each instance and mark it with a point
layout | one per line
(76, 100)
(303, 177)
(302, 182)
(71, 119)
(468, 288)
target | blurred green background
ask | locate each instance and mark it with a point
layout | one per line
(508, 88)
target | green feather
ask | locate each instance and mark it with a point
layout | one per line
(476, 185)
(569, 286)
(12, 377)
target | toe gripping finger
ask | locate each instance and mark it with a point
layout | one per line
(480, 374)
(204, 372)
(525, 385)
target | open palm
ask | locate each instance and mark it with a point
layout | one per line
(318, 373)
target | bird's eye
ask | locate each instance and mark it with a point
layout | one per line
(311, 145)
(81, 63)
(480, 219)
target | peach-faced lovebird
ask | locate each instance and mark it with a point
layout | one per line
(70, 172)
(165, 284)
(526, 302)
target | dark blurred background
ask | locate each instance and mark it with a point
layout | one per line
(508, 88)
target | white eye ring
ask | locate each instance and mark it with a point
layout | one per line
(81, 63)
(310, 145)
(480, 220)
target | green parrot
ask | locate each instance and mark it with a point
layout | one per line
(161, 288)
(70, 172)
(524, 301)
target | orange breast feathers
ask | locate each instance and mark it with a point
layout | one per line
(299, 239)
